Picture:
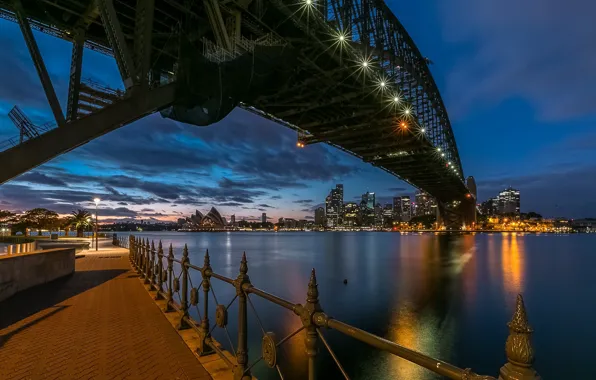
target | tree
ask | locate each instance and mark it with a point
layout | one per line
(80, 220)
(39, 218)
(7, 217)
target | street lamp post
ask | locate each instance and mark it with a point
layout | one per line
(96, 200)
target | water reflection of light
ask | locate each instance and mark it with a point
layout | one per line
(512, 264)
(414, 322)
(406, 332)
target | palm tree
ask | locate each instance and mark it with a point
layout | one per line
(80, 220)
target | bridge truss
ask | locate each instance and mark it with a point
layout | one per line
(360, 83)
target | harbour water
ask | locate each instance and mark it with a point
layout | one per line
(448, 296)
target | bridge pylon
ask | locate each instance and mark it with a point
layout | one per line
(461, 212)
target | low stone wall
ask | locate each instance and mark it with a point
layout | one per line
(79, 246)
(22, 271)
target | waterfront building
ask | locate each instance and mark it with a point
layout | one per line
(233, 219)
(264, 218)
(388, 214)
(290, 223)
(338, 199)
(490, 207)
(334, 204)
(406, 208)
(425, 204)
(367, 209)
(319, 216)
(509, 201)
(351, 214)
(378, 215)
(210, 221)
(397, 209)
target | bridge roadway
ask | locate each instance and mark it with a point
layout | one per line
(99, 323)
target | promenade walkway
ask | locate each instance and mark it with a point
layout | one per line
(99, 323)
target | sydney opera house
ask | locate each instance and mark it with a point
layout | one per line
(199, 222)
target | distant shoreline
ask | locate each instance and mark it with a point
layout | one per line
(400, 232)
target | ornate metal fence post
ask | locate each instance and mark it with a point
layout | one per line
(141, 258)
(131, 249)
(159, 271)
(147, 262)
(170, 295)
(519, 351)
(183, 324)
(138, 249)
(241, 371)
(205, 348)
(152, 267)
(311, 307)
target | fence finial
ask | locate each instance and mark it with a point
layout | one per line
(243, 264)
(518, 348)
(207, 261)
(313, 289)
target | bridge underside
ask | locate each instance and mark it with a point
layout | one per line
(370, 94)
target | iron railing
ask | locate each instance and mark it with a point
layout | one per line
(156, 268)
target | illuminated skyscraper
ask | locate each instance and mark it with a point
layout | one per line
(367, 209)
(406, 208)
(509, 201)
(264, 218)
(351, 214)
(334, 205)
(425, 204)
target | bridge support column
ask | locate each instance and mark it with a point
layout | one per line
(457, 215)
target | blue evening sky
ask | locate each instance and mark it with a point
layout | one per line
(517, 79)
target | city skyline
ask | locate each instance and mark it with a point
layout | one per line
(160, 169)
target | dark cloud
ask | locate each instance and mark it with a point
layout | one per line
(275, 197)
(38, 178)
(270, 183)
(304, 201)
(306, 210)
(264, 205)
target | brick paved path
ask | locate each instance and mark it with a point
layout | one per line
(99, 323)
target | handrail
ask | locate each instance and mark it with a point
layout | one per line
(181, 294)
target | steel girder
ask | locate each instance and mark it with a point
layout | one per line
(39, 65)
(381, 37)
(322, 95)
(35, 152)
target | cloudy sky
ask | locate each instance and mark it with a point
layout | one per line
(516, 76)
